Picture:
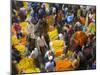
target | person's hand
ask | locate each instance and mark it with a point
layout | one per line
(14, 61)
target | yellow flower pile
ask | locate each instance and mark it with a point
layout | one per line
(32, 70)
(15, 41)
(69, 53)
(58, 46)
(53, 35)
(24, 26)
(27, 65)
(20, 48)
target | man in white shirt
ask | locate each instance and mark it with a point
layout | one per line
(41, 44)
(34, 53)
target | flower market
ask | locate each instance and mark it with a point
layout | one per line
(52, 37)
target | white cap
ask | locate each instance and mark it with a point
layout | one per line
(60, 36)
(35, 49)
(78, 23)
(50, 57)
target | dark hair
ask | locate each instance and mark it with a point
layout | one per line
(79, 48)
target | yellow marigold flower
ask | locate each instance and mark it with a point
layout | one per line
(53, 35)
(15, 41)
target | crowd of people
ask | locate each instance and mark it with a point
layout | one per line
(38, 30)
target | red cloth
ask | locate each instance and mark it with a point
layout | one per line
(17, 27)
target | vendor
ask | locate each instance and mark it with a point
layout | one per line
(48, 54)
(41, 43)
(50, 65)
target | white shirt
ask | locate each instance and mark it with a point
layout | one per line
(41, 41)
(54, 10)
(35, 53)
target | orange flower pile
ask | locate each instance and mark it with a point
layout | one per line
(80, 37)
(62, 65)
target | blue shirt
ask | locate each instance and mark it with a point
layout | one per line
(49, 66)
(70, 19)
